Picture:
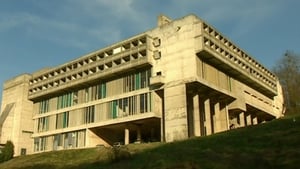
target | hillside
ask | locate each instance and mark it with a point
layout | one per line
(275, 144)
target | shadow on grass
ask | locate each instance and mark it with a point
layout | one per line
(94, 165)
(37, 166)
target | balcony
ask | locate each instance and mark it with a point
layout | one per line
(157, 80)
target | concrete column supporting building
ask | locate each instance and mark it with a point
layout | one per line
(242, 119)
(176, 123)
(126, 136)
(233, 122)
(248, 120)
(217, 119)
(207, 112)
(254, 120)
(138, 135)
(221, 115)
(196, 115)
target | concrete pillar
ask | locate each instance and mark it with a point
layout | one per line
(196, 115)
(248, 120)
(217, 119)
(138, 135)
(233, 123)
(254, 120)
(176, 122)
(225, 109)
(221, 115)
(242, 119)
(126, 137)
(207, 117)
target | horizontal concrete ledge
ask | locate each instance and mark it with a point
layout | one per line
(109, 73)
(143, 116)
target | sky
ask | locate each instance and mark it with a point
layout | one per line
(35, 34)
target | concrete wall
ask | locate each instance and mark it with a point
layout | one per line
(177, 50)
(18, 126)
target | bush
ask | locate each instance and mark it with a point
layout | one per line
(7, 152)
(118, 153)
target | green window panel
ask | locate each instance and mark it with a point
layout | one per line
(65, 119)
(103, 90)
(99, 92)
(150, 102)
(114, 109)
(58, 102)
(63, 101)
(137, 81)
(70, 99)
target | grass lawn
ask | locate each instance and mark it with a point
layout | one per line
(275, 144)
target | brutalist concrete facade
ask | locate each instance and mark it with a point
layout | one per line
(179, 80)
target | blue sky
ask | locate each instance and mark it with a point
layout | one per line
(35, 34)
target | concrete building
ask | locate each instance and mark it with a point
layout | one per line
(179, 80)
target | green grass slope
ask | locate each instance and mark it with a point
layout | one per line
(275, 144)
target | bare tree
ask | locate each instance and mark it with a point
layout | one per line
(288, 71)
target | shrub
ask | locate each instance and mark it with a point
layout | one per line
(118, 153)
(7, 152)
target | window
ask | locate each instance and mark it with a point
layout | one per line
(62, 120)
(43, 124)
(43, 143)
(145, 103)
(36, 144)
(67, 100)
(89, 114)
(23, 151)
(58, 140)
(101, 90)
(114, 109)
(136, 81)
(44, 106)
(129, 106)
(142, 103)
(95, 92)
